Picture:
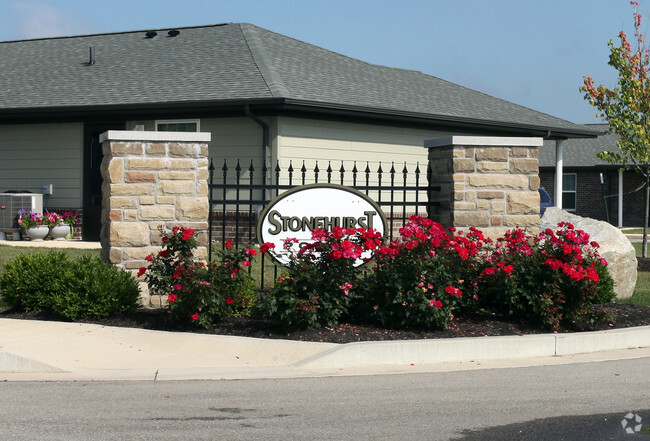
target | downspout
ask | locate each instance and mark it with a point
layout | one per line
(559, 167)
(620, 198)
(265, 144)
(558, 170)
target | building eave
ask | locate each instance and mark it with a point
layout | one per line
(275, 106)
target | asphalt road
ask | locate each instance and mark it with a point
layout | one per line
(586, 401)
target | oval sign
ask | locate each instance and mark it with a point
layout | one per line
(295, 213)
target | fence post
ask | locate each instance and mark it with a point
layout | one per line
(151, 179)
(489, 183)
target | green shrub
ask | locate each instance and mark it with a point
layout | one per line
(420, 278)
(550, 279)
(321, 279)
(32, 281)
(429, 275)
(101, 290)
(71, 289)
(197, 294)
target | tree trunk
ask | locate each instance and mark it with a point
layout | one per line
(644, 248)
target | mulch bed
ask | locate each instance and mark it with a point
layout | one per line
(479, 325)
(643, 264)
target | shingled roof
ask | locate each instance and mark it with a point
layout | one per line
(233, 64)
(581, 152)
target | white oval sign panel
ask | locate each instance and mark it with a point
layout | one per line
(295, 213)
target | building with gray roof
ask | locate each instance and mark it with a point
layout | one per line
(593, 187)
(263, 96)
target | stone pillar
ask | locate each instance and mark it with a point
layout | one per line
(486, 182)
(151, 179)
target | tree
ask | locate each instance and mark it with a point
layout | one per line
(625, 108)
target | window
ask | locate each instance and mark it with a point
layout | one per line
(569, 184)
(180, 125)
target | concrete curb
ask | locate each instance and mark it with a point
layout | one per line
(599, 341)
(64, 351)
(467, 349)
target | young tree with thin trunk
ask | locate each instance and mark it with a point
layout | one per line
(625, 108)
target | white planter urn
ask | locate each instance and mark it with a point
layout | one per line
(37, 234)
(59, 232)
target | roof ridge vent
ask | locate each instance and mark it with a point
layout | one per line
(150, 34)
(173, 33)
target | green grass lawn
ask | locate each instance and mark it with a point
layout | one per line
(641, 294)
(632, 230)
(271, 271)
(7, 252)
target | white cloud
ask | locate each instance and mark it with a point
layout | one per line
(35, 19)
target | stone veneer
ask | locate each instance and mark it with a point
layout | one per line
(151, 179)
(489, 183)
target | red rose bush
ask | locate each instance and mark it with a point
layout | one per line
(422, 279)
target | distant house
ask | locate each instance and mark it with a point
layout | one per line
(264, 97)
(582, 190)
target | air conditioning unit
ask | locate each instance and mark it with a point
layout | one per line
(12, 203)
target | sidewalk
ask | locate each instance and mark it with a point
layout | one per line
(53, 244)
(39, 350)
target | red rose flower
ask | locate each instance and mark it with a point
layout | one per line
(266, 246)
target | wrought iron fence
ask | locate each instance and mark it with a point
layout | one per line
(239, 195)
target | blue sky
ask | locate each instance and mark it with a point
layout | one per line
(530, 52)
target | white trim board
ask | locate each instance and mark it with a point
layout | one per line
(135, 135)
(487, 141)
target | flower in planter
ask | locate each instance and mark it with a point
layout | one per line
(29, 219)
(52, 219)
(69, 217)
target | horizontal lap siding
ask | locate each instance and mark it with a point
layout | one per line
(35, 154)
(310, 140)
(336, 143)
(234, 138)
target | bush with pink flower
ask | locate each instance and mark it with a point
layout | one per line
(29, 219)
(551, 278)
(70, 217)
(321, 279)
(52, 219)
(198, 293)
(431, 274)
(423, 279)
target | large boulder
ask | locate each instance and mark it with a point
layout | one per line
(614, 247)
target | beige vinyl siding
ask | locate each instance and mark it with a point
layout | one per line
(35, 154)
(328, 141)
(232, 139)
(235, 139)
(331, 143)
